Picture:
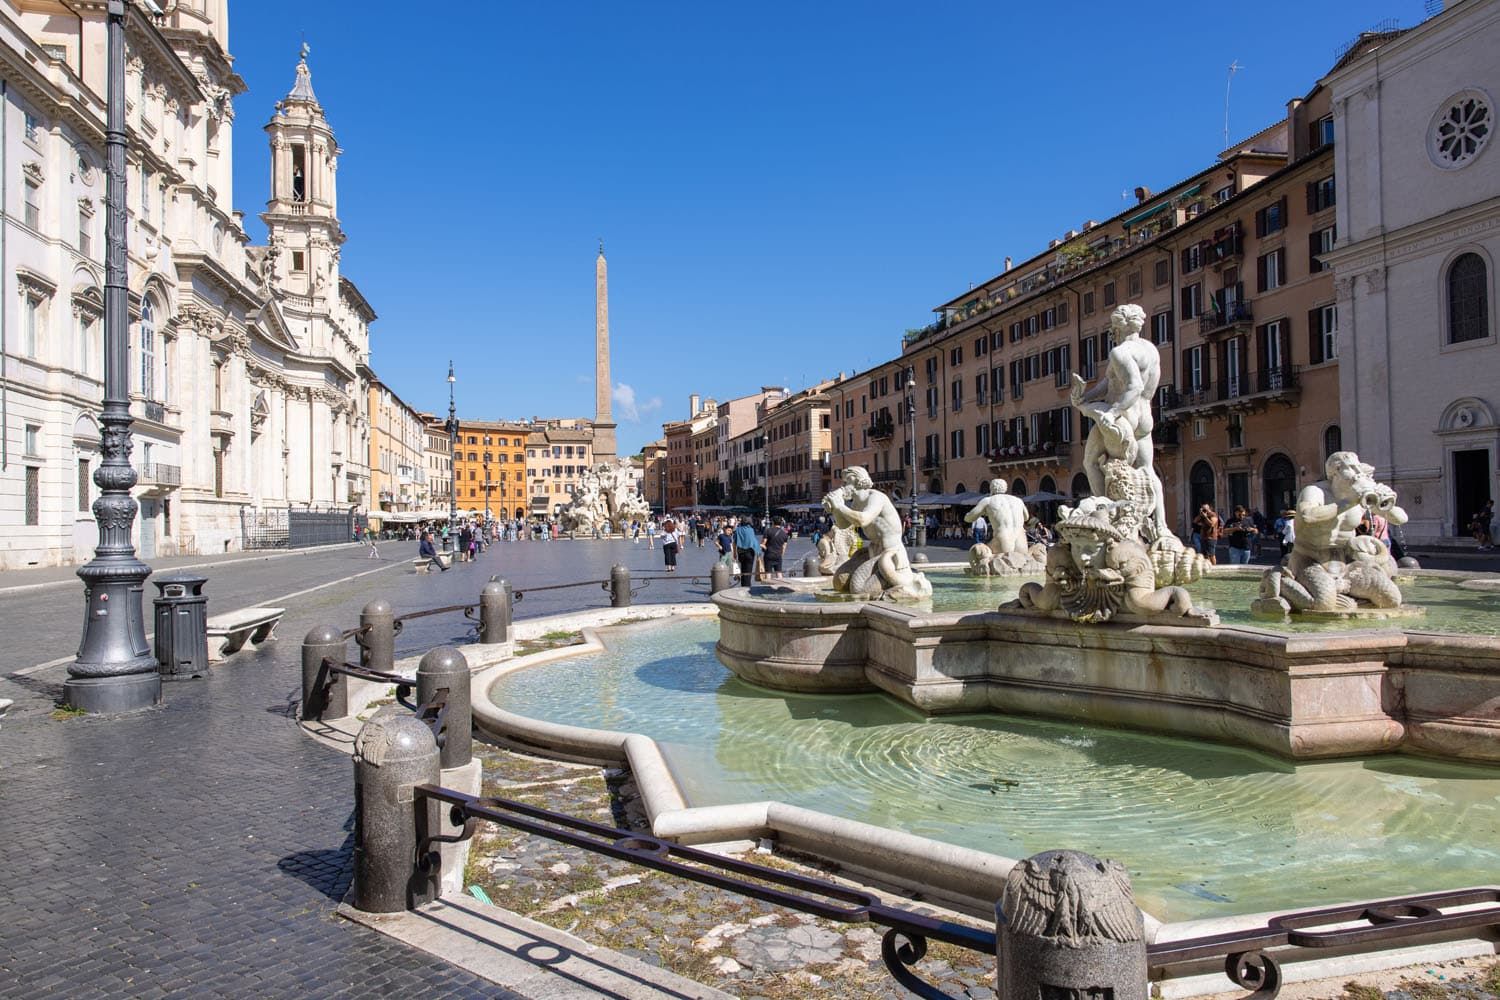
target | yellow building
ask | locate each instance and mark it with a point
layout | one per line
(398, 466)
(489, 467)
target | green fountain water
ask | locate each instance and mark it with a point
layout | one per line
(1204, 829)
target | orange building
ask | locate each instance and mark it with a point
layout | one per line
(489, 467)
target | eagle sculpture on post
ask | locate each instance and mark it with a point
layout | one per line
(1072, 899)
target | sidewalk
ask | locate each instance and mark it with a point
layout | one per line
(33, 577)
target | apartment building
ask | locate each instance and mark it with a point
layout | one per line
(558, 453)
(743, 469)
(687, 446)
(437, 456)
(398, 466)
(490, 465)
(798, 445)
(654, 473)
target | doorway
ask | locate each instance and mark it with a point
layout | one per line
(1239, 490)
(1200, 487)
(1279, 484)
(1471, 485)
(148, 529)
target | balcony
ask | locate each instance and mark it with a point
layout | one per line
(1234, 317)
(895, 477)
(1226, 249)
(1039, 454)
(1282, 383)
(221, 423)
(931, 462)
(882, 428)
(158, 475)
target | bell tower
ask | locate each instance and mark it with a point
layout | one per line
(301, 217)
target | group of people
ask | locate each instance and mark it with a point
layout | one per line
(1246, 529)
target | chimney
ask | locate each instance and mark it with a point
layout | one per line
(1089, 224)
(1007, 264)
(1053, 244)
(692, 406)
(1142, 194)
(1070, 234)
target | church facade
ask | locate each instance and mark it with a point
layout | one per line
(250, 381)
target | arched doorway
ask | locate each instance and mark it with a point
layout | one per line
(1279, 483)
(959, 488)
(1200, 487)
(1047, 485)
(1018, 487)
(1081, 487)
(520, 513)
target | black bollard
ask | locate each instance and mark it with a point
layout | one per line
(495, 611)
(377, 641)
(323, 642)
(393, 753)
(1067, 926)
(619, 587)
(445, 667)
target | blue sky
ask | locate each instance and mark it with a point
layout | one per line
(782, 189)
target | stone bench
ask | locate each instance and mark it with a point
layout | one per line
(227, 633)
(421, 564)
(424, 564)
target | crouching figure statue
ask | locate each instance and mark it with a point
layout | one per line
(1099, 568)
(1332, 567)
(881, 568)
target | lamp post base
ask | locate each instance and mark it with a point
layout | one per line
(109, 695)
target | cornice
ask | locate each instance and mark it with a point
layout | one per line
(196, 261)
(1458, 226)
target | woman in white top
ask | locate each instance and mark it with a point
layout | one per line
(669, 540)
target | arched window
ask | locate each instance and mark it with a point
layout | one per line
(148, 349)
(1333, 440)
(960, 488)
(1047, 485)
(1018, 487)
(1081, 487)
(1468, 299)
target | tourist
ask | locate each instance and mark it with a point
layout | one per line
(775, 546)
(746, 550)
(1241, 530)
(725, 543)
(651, 532)
(669, 540)
(1381, 529)
(370, 540)
(1207, 528)
(1286, 530)
(426, 550)
(1483, 520)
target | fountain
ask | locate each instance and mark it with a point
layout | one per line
(605, 500)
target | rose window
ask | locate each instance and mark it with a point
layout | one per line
(1459, 132)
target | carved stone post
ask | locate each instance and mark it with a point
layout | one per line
(1069, 929)
(115, 670)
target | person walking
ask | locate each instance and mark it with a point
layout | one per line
(651, 532)
(775, 546)
(1241, 530)
(669, 542)
(724, 541)
(1286, 530)
(746, 550)
(374, 552)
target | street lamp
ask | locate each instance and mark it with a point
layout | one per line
(453, 454)
(918, 527)
(115, 670)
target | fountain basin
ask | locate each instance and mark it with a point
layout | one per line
(1296, 695)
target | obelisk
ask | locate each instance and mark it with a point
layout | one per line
(604, 423)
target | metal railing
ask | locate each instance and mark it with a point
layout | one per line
(1225, 317)
(159, 473)
(398, 864)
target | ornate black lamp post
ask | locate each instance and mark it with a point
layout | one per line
(115, 670)
(918, 526)
(452, 426)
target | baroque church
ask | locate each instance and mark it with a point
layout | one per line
(248, 366)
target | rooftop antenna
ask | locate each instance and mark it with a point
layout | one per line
(1234, 67)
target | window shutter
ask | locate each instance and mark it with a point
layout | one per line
(1283, 212)
(1171, 326)
(1067, 358)
(1314, 247)
(1186, 263)
(1260, 274)
(1187, 302)
(1312, 197)
(1062, 312)
(1281, 268)
(1260, 223)
(1314, 337)
(1262, 347)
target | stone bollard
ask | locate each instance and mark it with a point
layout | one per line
(719, 578)
(619, 587)
(1067, 926)
(919, 541)
(393, 753)
(377, 643)
(445, 667)
(323, 642)
(496, 608)
(810, 565)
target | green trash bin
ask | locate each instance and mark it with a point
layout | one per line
(181, 627)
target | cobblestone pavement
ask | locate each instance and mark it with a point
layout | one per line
(199, 849)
